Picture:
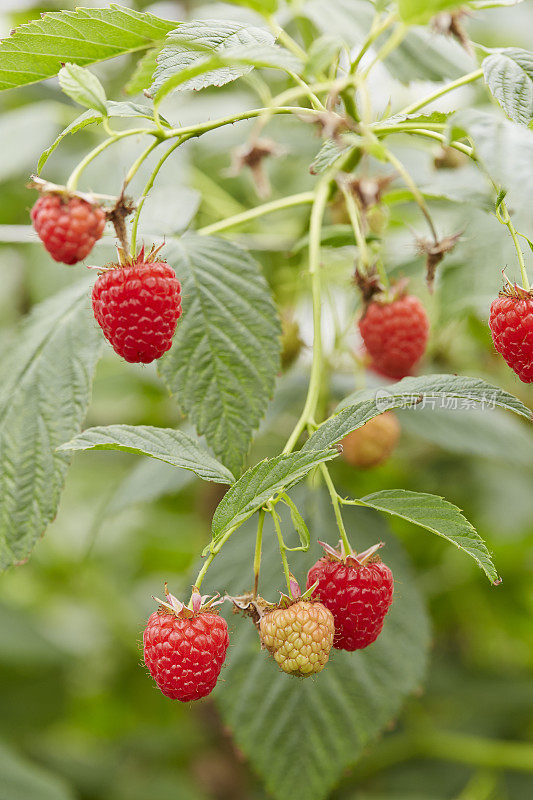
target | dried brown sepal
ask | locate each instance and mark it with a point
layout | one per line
(449, 23)
(340, 554)
(367, 191)
(124, 206)
(250, 606)
(369, 285)
(449, 158)
(252, 156)
(510, 289)
(435, 252)
(330, 124)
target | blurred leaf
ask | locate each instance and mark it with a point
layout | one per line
(323, 723)
(487, 435)
(212, 53)
(509, 76)
(260, 483)
(361, 407)
(169, 209)
(322, 53)
(35, 125)
(36, 50)
(142, 76)
(505, 149)
(43, 400)
(421, 11)
(83, 87)
(261, 6)
(173, 447)
(438, 516)
(113, 109)
(22, 780)
(147, 481)
(326, 156)
(225, 356)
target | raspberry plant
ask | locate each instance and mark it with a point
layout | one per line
(225, 353)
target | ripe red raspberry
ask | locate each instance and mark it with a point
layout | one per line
(68, 227)
(299, 637)
(395, 334)
(511, 325)
(138, 306)
(358, 592)
(184, 650)
(373, 443)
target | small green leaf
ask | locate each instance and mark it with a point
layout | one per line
(327, 156)
(225, 357)
(83, 87)
(300, 527)
(173, 447)
(260, 483)
(438, 516)
(361, 407)
(509, 76)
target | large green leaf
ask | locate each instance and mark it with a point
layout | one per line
(165, 444)
(225, 356)
(509, 76)
(21, 779)
(438, 516)
(213, 53)
(427, 390)
(36, 50)
(301, 734)
(260, 483)
(47, 375)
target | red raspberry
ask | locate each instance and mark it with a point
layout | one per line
(511, 325)
(137, 307)
(68, 227)
(395, 334)
(357, 592)
(184, 650)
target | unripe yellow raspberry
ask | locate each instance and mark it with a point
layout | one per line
(373, 443)
(299, 637)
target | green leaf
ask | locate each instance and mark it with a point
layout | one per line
(302, 735)
(421, 11)
(225, 357)
(361, 407)
(36, 50)
(327, 156)
(322, 53)
(21, 779)
(83, 87)
(438, 516)
(141, 78)
(509, 76)
(260, 483)
(214, 52)
(113, 109)
(300, 527)
(173, 447)
(149, 480)
(47, 375)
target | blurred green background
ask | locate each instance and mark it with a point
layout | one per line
(79, 717)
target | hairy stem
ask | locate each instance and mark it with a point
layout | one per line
(336, 507)
(505, 218)
(282, 547)
(417, 194)
(258, 545)
(355, 219)
(469, 78)
(75, 175)
(378, 27)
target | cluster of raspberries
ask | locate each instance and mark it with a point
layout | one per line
(348, 598)
(136, 303)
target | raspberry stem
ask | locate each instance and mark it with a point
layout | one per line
(75, 175)
(258, 546)
(417, 194)
(355, 219)
(463, 81)
(282, 547)
(336, 507)
(502, 213)
(253, 213)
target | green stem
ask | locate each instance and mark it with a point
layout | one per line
(286, 40)
(266, 208)
(375, 32)
(75, 175)
(205, 567)
(313, 392)
(353, 213)
(146, 191)
(336, 507)
(204, 127)
(430, 134)
(139, 161)
(258, 545)
(282, 547)
(505, 218)
(469, 78)
(417, 194)
(395, 39)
